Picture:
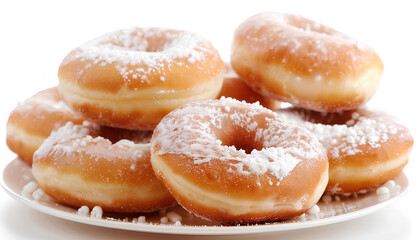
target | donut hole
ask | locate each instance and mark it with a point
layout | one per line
(152, 41)
(242, 143)
(239, 137)
(348, 118)
(140, 45)
(117, 134)
(156, 45)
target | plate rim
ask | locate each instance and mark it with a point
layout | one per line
(197, 230)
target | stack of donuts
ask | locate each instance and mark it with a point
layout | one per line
(146, 118)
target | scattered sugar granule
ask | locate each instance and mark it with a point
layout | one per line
(164, 220)
(382, 191)
(302, 217)
(327, 198)
(96, 212)
(178, 223)
(176, 138)
(390, 184)
(314, 210)
(29, 188)
(83, 210)
(173, 216)
(37, 194)
(142, 219)
(383, 197)
(363, 192)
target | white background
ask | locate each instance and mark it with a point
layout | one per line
(36, 35)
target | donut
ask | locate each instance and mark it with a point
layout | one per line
(131, 78)
(34, 119)
(234, 87)
(233, 162)
(92, 165)
(312, 66)
(365, 147)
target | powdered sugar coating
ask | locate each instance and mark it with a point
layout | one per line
(363, 128)
(192, 131)
(294, 59)
(74, 139)
(43, 112)
(102, 166)
(305, 41)
(153, 49)
(46, 104)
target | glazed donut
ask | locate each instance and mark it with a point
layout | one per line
(366, 148)
(233, 162)
(131, 78)
(33, 120)
(234, 87)
(92, 165)
(293, 59)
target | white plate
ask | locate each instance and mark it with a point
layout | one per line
(17, 174)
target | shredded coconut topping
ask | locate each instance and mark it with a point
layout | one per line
(191, 131)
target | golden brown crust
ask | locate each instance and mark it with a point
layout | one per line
(235, 87)
(216, 177)
(21, 147)
(299, 187)
(126, 202)
(108, 117)
(72, 164)
(355, 185)
(33, 120)
(73, 68)
(358, 161)
(113, 85)
(209, 181)
(294, 59)
(112, 81)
